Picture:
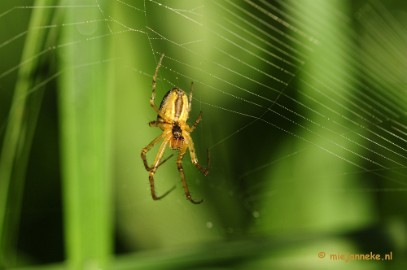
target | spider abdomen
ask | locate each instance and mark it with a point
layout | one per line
(175, 105)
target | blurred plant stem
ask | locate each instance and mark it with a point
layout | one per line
(85, 105)
(20, 129)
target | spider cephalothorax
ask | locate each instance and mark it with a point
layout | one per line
(172, 116)
(177, 140)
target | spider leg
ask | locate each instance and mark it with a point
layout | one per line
(196, 122)
(153, 124)
(148, 148)
(181, 172)
(156, 164)
(190, 96)
(189, 109)
(152, 99)
(162, 162)
(194, 158)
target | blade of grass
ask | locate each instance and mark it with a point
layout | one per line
(313, 176)
(85, 133)
(20, 127)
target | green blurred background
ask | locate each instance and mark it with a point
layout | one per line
(304, 114)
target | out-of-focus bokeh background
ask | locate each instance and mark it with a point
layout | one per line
(304, 115)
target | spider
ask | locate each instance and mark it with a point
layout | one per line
(172, 116)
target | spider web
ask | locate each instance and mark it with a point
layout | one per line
(283, 99)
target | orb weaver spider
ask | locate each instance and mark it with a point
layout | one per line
(172, 116)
